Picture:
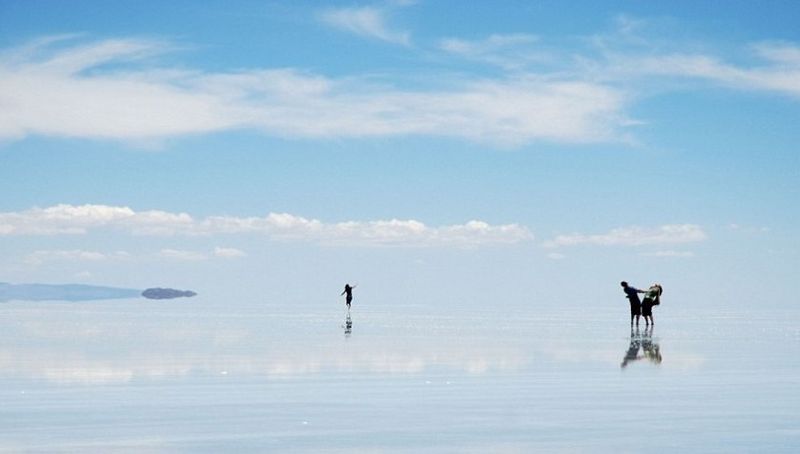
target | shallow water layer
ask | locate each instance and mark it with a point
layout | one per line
(212, 377)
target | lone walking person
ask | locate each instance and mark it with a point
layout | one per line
(348, 289)
(633, 297)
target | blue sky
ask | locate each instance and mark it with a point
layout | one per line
(432, 151)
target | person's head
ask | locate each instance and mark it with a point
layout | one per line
(623, 284)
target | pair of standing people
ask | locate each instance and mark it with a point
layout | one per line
(642, 308)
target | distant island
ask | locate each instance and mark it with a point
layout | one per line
(82, 292)
(166, 293)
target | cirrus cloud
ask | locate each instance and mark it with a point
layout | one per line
(633, 236)
(670, 253)
(228, 252)
(509, 51)
(109, 90)
(45, 256)
(367, 21)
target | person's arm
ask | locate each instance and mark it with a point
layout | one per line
(343, 293)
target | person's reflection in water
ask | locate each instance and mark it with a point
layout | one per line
(650, 348)
(348, 326)
(633, 350)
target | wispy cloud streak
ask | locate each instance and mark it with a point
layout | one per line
(101, 90)
(367, 21)
(633, 236)
(45, 256)
(780, 72)
(509, 51)
(112, 89)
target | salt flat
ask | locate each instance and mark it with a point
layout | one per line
(112, 376)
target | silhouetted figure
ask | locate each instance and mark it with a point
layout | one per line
(349, 291)
(633, 297)
(652, 298)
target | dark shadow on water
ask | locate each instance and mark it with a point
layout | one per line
(651, 350)
(348, 325)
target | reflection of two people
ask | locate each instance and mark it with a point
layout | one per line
(651, 351)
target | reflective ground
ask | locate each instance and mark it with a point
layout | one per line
(199, 376)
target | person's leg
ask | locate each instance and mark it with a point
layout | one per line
(637, 319)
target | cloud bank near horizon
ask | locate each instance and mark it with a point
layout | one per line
(67, 219)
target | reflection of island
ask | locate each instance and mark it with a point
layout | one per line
(81, 292)
(651, 349)
(66, 292)
(166, 293)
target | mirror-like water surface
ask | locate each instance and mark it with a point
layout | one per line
(154, 376)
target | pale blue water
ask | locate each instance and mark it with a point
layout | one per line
(206, 376)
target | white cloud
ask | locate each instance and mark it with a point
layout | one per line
(368, 21)
(83, 275)
(78, 219)
(180, 255)
(60, 86)
(778, 78)
(70, 219)
(634, 236)
(775, 67)
(54, 94)
(510, 51)
(782, 53)
(45, 256)
(41, 257)
(227, 252)
(684, 254)
(556, 256)
(487, 45)
(79, 91)
(748, 228)
(411, 232)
